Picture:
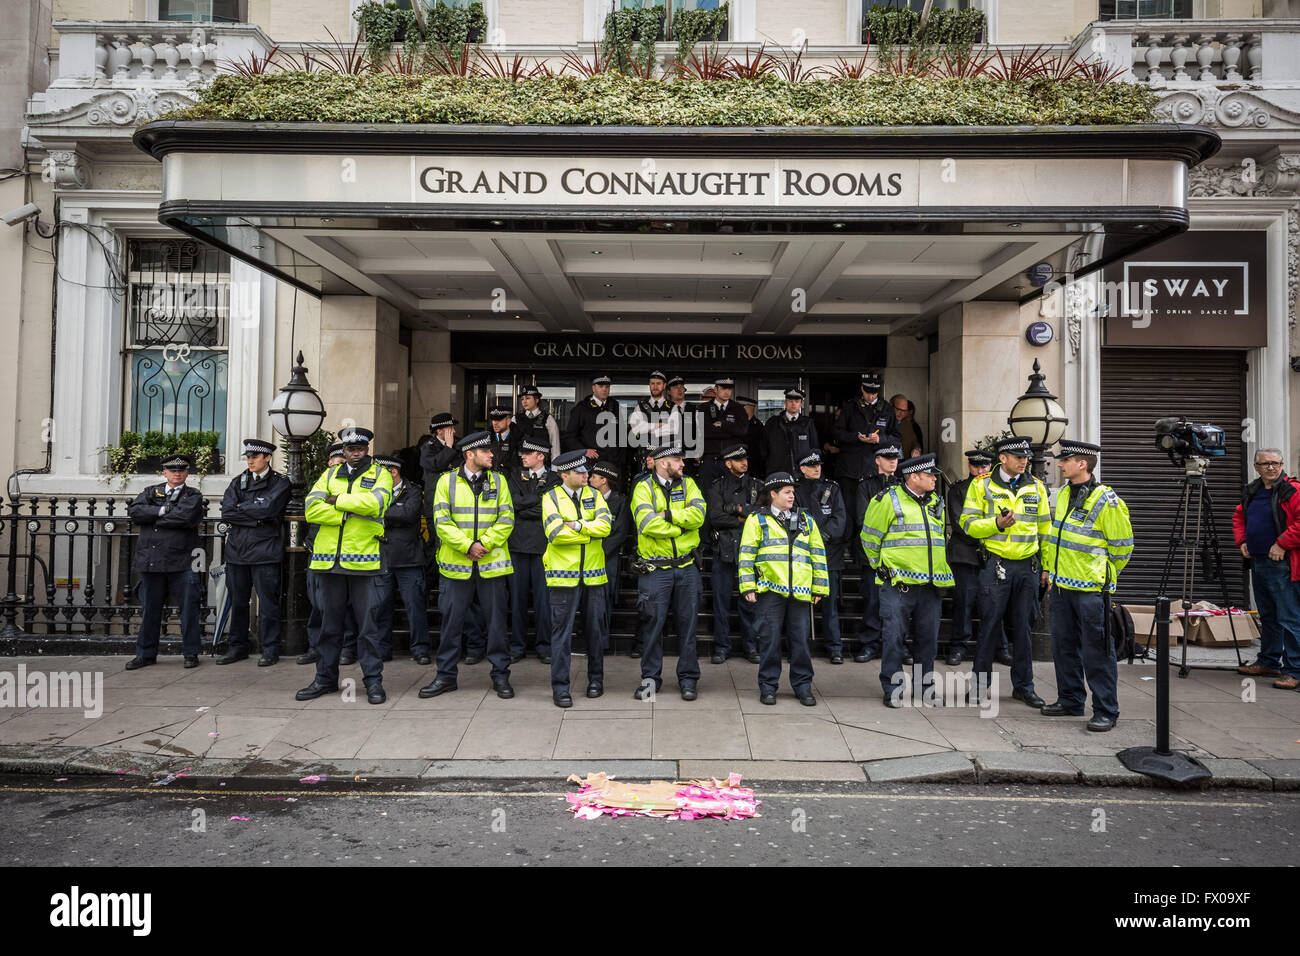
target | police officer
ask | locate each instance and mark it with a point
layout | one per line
(348, 501)
(790, 435)
(783, 574)
(1008, 511)
(651, 423)
(536, 423)
(965, 557)
(505, 439)
(730, 500)
(604, 478)
(1090, 542)
(863, 425)
(576, 519)
(822, 500)
(725, 424)
(333, 456)
(668, 511)
(473, 515)
(439, 455)
(168, 515)
(903, 539)
(588, 418)
(755, 433)
(528, 483)
(403, 560)
(886, 466)
(253, 507)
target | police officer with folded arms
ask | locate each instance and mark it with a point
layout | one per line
(473, 515)
(168, 516)
(253, 508)
(725, 424)
(821, 499)
(790, 435)
(576, 519)
(668, 511)
(529, 482)
(966, 557)
(348, 501)
(403, 558)
(593, 415)
(885, 474)
(731, 498)
(1090, 542)
(1008, 511)
(903, 539)
(783, 574)
(863, 425)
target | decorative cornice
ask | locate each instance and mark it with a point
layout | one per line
(1225, 108)
(116, 108)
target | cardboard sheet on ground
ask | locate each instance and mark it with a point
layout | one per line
(600, 795)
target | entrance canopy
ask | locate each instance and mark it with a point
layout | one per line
(722, 230)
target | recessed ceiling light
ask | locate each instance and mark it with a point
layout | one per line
(667, 297)
(326, 218)
(611, 297)
(837, 225)
(596, 252)
(737, 253)
(516, 316)
(726, 287)
(497, 222)
(724, 298)
(609, 285)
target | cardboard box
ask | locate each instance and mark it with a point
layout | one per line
(1217, 631)
(1144, 616)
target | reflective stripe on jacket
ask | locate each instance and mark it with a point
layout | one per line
(460, 518)
(1029, 503)
(349, 528)
(574, 557)
(906, 536)
(773, 559)
(1089, 545)
(658, 538)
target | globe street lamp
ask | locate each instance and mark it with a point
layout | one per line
(1038, 416)
(296, 414)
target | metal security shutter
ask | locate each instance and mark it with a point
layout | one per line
(1137, 387)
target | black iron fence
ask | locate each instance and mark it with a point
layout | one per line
(67, 569)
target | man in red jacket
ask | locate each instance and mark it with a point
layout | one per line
(1266, 527)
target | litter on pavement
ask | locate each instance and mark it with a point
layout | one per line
(601, 795)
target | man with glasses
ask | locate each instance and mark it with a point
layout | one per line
(168, 516)
(1266, 527)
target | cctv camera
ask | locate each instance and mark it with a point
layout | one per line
(14, 216)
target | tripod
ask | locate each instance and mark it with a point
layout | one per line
(1195, 534)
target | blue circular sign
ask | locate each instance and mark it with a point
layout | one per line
(1040, 333)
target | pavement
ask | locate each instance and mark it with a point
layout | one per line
(241, 721)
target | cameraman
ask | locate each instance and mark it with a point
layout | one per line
(1266, 527)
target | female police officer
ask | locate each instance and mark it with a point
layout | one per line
(782, 569)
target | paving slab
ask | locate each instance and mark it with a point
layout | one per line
(871, 745)
(1285, 773)
(502, 735)
(1070, 736)
(968, 732)
(752, 771)
(1231, 772)
(948, 767)
(556, 770)
(618, 737)
(679, 735)
(1001, 766)
(775, 737)
(402, 737)
(1105, 770)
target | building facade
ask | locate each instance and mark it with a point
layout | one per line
(170, 277)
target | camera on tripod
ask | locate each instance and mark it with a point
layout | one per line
(1190, 445)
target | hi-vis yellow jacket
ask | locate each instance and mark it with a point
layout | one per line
(460, 518)
(574, 557)
(777, 560)
(906, 536)
(670, 542)
(349, 528)
(985, 499)
(1089, 545)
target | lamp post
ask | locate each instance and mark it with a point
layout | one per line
(1038, 416)
(296, 414)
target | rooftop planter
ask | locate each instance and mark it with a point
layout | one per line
(604, 99)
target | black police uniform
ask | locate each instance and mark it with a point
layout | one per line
(533, 428)
(527, 545)
(253, 506)
(349, 653)
(621, 516)
(966, 558)
(755, 435)
(786, 442)
(723, 426)
(586, 420)
(856, 459)
(164, 555)
(824, 503)
(402, 553)
(729, 501)
(505, 449)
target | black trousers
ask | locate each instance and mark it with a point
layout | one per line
(242, 579)
(339, 594)
(564, 608)
(183, 587)
(455, 595)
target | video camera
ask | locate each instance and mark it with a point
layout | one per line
(1193, 442)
